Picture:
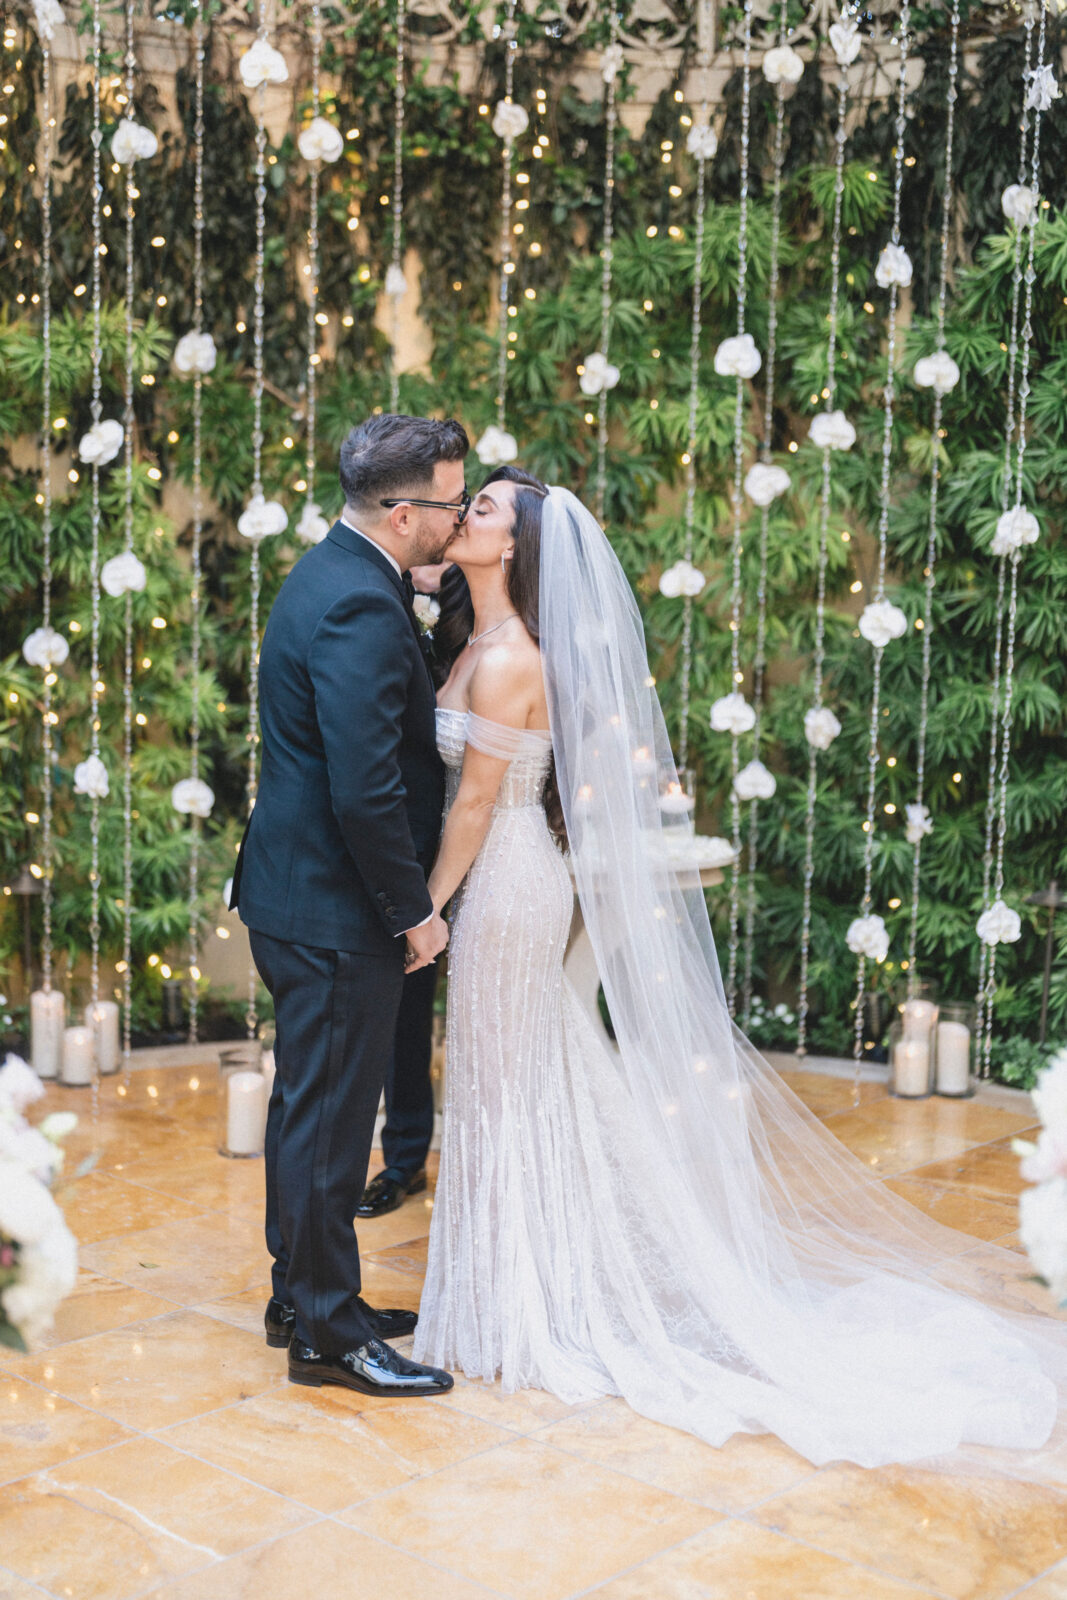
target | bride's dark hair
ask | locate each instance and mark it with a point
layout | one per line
(522, 584)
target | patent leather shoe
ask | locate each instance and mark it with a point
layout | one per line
(279, 1321)
(372, 1368)
(385, 1193)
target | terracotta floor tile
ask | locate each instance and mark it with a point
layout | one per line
(197, 1258)
(409, 1221)
(1001, 1277)
(825, 1096)
(322, 1562)
(154, 1373)
(99, 1304)
(971, 1538)
(329, 1447)
(15, 1588)
(989, 1173)
(969, 1214)
(1053, 1586)
(747, 1469)
(530, 1521)
(202, 1177)
(408, 1258)
(735, 1561)
(523, 1412)
(39, 1430)
(894, 1136)
(101, 1205)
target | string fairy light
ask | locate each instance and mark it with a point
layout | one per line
(1021, 528)
(130, 64)
(198, 525)
(507, 124)
(606, 371)
(821, 726)
(881, 621)
(766, 455)
(941, 374)
(47, 714)
(395, 283)
(96, 411)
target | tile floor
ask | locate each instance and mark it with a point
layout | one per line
(153, 1446)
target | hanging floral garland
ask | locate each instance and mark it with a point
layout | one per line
(395, 282)
(496, 445)
(598, 375)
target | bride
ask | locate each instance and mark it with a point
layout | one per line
(667, 1223)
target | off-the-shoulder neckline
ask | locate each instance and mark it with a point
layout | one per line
(454, 711)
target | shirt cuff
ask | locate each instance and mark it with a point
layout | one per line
(421, 924)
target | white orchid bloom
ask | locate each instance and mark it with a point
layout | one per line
(999, 925)
(831, 430)
(845, 40)
(496, 447)
(90, 777)
(702, 141)
(195, 352)
(192, 797)
(261, 518)
(102, 443)
(510, 121)
(123, 574)
(919, 822)
(737, 357)
(1019, 203)
(261, 64)
(755, 782)
(821, 727)
(682, 579)
(313, 526)
(133, 142)
(868, 936)
(783, 65)
(765, 482)
(1015, 529)
(938, 372)
(598, 375)
(45, 648)
(732, 714)
(881, 622)
(320, 140)
(894, 266)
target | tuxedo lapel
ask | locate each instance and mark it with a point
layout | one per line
(358, 545)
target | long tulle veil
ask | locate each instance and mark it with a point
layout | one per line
(831, 1312)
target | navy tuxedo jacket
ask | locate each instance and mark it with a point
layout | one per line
(351, 790)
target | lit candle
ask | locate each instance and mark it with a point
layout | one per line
(911, 1068)
(919, 1018)
(103, 1020)
(77, 1064)
(675, 800)
(953, 1058)
(644, 762)
(244, 1113)
(47, 1016)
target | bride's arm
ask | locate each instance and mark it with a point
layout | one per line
(500, 691)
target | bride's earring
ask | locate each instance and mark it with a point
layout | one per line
(503, 563)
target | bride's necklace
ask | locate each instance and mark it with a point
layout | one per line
(472, 638)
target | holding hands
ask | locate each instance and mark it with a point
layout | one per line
(425, 943)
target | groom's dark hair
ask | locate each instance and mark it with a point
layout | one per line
(389, 456)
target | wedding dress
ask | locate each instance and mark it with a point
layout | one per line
(669, 1223)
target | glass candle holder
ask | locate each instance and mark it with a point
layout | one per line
(954, 1052)
(911, 1063)
(243, 1097)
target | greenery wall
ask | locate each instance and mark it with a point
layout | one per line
(451, 217)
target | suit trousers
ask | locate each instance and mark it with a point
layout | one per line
(335, 1014)
(408, 1092)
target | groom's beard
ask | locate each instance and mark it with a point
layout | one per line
(432, 552)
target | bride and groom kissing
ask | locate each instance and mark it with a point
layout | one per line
(661, 1220)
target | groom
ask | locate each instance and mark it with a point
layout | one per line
(331, 879)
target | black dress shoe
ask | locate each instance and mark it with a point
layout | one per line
(373, 1368)
(280, 1319)
(384, 1193)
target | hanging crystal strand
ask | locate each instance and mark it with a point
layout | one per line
(507, 266)
(759, 661)
(130, 63)
(47, 714)
(819, 653)
(1005, 499)
(883, 533)
(607, 256)
(198, 525)
(1007, 688)
(313, 264)
(703, 122)
(397, 267)
(94, 552)
(736, 675)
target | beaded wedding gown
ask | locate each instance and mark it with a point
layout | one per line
(667, 1222)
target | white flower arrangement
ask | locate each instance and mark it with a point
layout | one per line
(123, 574)
(868, 936)
(612, 61)
(496, 447)
(261, 518)
(195, 352)
(783, 65)
(261, 64)
(38, 1255)
(90, 777)
(1015, 528)
(102, 443)
(702, 141)
(737, 357)
(821, 727)
(510, 121)
(831, 430)
(938, 372)
(45, 648)
(133, 142)
(598, 374)
(313, 526)
(881, 622)
(427, 610)
(682, 580)
(396, 285)
(47, 17)
(894, 267)
(918, 822)
(320, 140)
(755, 782)
(1043, 1209)
(765, 482)
(999, 925)
(732, 714)
(1019, 203)
(845, 40)
(1042, 88)
(192, 797)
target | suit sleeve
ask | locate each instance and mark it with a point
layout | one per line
(360, 668)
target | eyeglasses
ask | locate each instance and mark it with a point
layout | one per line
(460, 506)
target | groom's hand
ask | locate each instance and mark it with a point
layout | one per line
(425, 944)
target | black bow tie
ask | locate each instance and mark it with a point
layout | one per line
(409, 587)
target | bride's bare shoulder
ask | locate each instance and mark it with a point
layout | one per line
(507, 669)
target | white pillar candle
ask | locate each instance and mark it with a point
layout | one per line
(911, 1067)
(675, 800)
(919, 1018)
(269, 1073)
(644, 762)
(244, 1113)
(953, 1058)
(103, 1019)
(48, 1013)
(77, 1064)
